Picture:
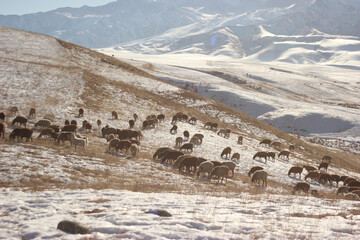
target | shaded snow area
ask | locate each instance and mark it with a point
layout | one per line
(121, 214)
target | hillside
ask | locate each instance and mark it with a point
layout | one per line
(46, 182)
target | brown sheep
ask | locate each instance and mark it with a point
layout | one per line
(179, 141)
(160, 117)
(226, 152)
(55, 127)
(105, 131)
(188, 162)
(67, 122)
(83, 124)
(110, 137)
(220, 172)
(21, 133)
(20, 120)
(43, 123)
(193, 120)
(254, 169)
(348, 180)
(260, 175)
(301, 186)
(205, 167)
(64, 136)
(199, 136)
(32, 113)
(186, 134)
(69, 128)
(216, 163)
(324, 178)
(46, 132)
(354, 183)
(342, 190)
(123, 145)
(342, 178)
(81, 112)
(178, 161)
(173, 130)
(2, 116)
(135, 116)
(261, 155)
(222, 132)
(98, 122)
(196, 141)
(271, 155)
(235, 157)
(295, 170)
(231, 167)
(131, 123)
(201, 160)
(2, 130)
(292, 148)
(170, 155)
(113, 144)
(133, 149)
(335, 178)
(88, 127)
(265, 141)
(284, 153)
(275, 144)
(160, 150)
(208, 125)
(324, 165)
(14, 110)
(309, 168)
(187, 147)
(352, 197)
(326, 158)
(240, 140)
(313, 175)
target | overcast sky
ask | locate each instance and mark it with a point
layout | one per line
(20, 7)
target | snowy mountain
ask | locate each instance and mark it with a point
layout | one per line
(264, 30)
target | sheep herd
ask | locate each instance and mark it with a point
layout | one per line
(181, 156)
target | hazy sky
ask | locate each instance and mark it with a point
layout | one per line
(20, 7)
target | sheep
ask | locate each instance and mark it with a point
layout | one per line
(83, 124)
(160, 150)
(352, 196)
(199, 136)
(178, 161)
(324, 178)
(313, 175)
(342, 190)
(301, 186)
(14, 110)
(193, 120)
(265, 141)
(260, 175)
(326, 158)
(235, 157)
(354, 183)
(55, 127)
(46, 132)
(186, 134)
(170, 155)
(335, 178)
(2, 130)
(208, 125)
(188, 162)
(254, 169)
(73, 122)
(98, 122)
(348, 180)
(64, 136)
(105, 131)
(261, 155)
(67, 122)
(231, 167)
(214, 126)
(271, 155)
(284, 153)
(205, 167)
(220, 172)
(295, 170)
(324, 165)
(81, 112)
(2, 116)
(88, 127)
(201, 160)
(32, 113)
(342, 178)
(149, 117)
(216, 163)
(123, 144)
(78, 141)
(187, 147)
(43, 123)
(135, 116)
(222, 132)
(351, 189)
(160, 117)
(226, 152)
(20, 120)
(179, 141)
(173, 130)
(113, 144)
(69, 128)
(240, 140)
(133, 149)
(309, 168)
(21, 133)
(275, 144)
(291, 147)
(195, 140)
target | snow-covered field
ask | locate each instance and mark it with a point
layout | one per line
(44, 183)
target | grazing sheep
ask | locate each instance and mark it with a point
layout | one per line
(2, 130)
(160, 117)
(83, 124)
(216, 163)
(113, 144)
(20, 120)
(46, 132)
(354, 183)
(178, 161)
(342, 190)
(231, 167)
(254, 169)
(173, 130)
(292, 148)
(226, 152)
(235, 157)
(81, 112)
(342, 178)
(240, 139)
(195, 140)
(309, 168)
(69, 128)
(187, 147)
(149, 117)
(284, 153)
(271, 155)
(2, 116)
(301, 186)
(275, 144)
(222, 132)
(135, 116)
(208, 125)
(170, 155)
(55, 127)
(64, 136)
(131, 123)
(214, 126)
(326, 158)
(199, 136)
(98, 122)
(335, 178)
(193, 120)
(179, 141)
(54, 135)
(14, 110)
(88, 127)
(261, 155)
(324, 165)
(67, 122)
(110, 137)
(260, 175)
(205, 167)
(265, 141)
(78, 141)
(313, 175)
(160, 150)
(348, 180)
(43, 123)
(32, 113)
(123, 145)
(324, 178)
(295, 170)
(220, 172)
(186, 134)
(352, 197)
(188, 162)
(133, 149)
(105, 131)
(21, 133)
(73, 122)
(201, 160)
